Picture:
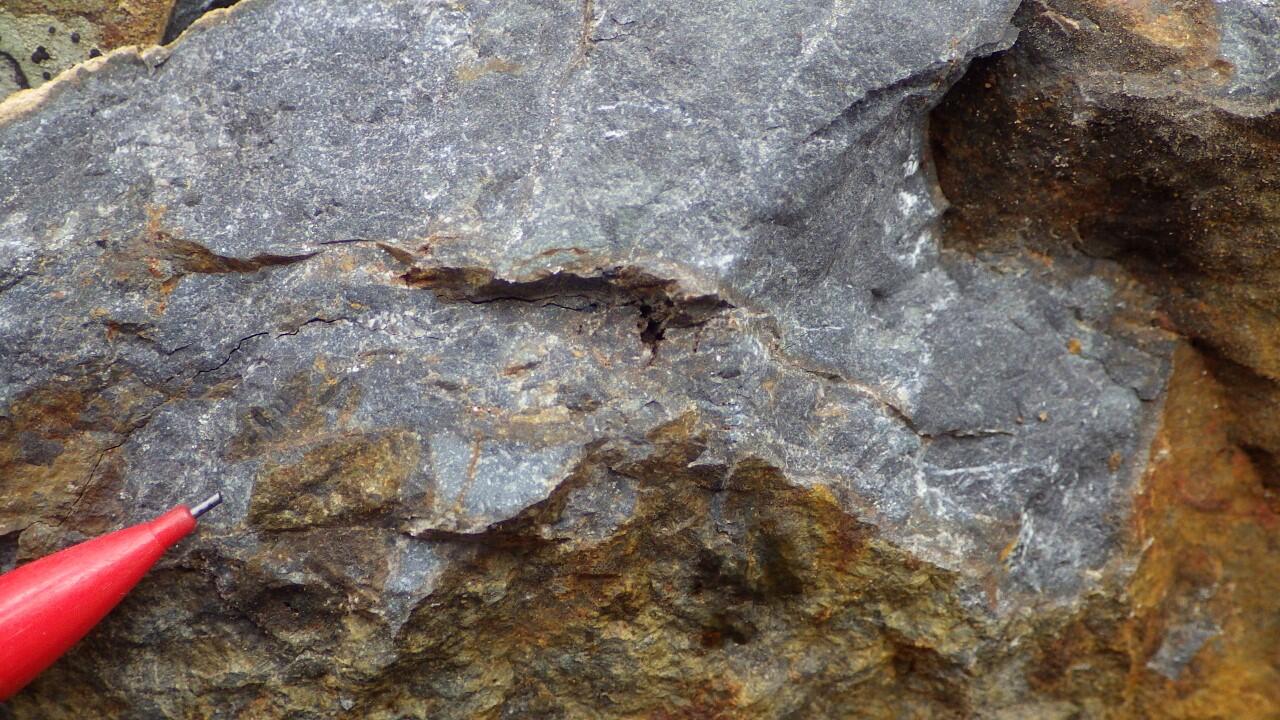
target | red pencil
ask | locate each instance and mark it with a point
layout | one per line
(47, 605)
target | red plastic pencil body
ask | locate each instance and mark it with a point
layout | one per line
(47, 605)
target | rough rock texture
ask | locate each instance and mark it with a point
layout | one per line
(603, 359)
(41, 38)
(1149, 133)
(1145, 133)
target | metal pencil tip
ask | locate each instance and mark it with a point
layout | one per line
(204, 507)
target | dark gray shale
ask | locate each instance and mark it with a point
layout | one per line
(758, 165)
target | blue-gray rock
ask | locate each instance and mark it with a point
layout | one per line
(441, 294)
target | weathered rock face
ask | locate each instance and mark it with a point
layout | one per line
(1138, 132)
(1147, 133)
(41, 38)
(572, 360)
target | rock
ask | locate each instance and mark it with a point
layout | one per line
(1146, 133)
(1142, 133)
(41, 38)
(569, 360)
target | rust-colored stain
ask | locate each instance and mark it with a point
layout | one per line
(459, 503)
(338, 481)
(1184, 200)
(667, 601)
(1205, 530)
(121, 22)
(59, 469)
(1213, 534)
(1035, 158)
(470, 73)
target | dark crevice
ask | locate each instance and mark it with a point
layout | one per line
(186, 12)
(651, 327)
(88, 483)
(287, 333)
(230, 354)
(496, 537)
(659, 302)
(1266, 463)
(313, 321)
(139, 331)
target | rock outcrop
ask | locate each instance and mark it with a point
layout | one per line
(616, 359)
(41, 38)
(1146, 133)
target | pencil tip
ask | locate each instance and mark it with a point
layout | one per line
(209, 504)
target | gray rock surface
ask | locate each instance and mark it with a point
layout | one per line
(1249, 42)
(463, 249)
